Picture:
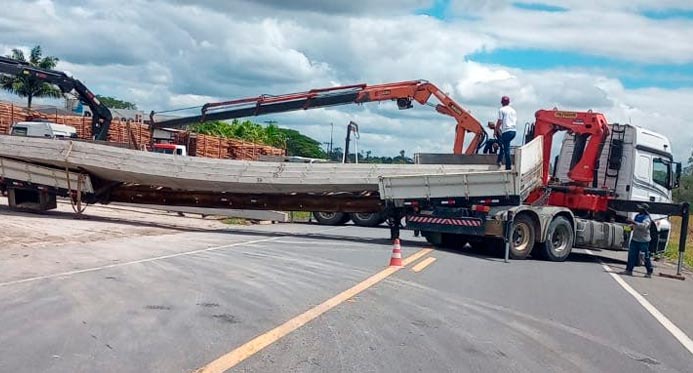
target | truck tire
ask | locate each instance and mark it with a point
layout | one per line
(331, 218)
(434, 238)
(522, 237)
(559, 240)
(372, 219)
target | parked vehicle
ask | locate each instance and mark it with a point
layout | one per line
(43, 129)
(582, 205)
(170, 149)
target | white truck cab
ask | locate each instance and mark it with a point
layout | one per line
(637, 164)
(43, 129)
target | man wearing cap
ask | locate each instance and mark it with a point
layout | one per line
(505, 128)
(640, 242)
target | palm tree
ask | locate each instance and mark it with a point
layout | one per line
(30, 87)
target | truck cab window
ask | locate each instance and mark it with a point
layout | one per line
(661, 172)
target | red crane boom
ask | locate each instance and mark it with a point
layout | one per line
(401, 92)
(591, 131)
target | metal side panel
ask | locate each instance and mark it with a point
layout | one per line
(525, 177)
(472, 184)
(40, 175)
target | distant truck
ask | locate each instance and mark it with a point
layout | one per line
(43, 129)
(170, 149)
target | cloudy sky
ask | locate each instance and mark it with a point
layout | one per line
(630, 59)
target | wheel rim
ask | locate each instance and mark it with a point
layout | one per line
(520, 237)
(560, 239)
(327, 215)
(363, 216)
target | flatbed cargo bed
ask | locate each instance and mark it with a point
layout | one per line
(525, 176)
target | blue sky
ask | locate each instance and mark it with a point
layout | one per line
(632, 74)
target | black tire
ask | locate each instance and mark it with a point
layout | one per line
(331, 218)
(522, 238)
(559, 240)
(366, 219)
(434, 238)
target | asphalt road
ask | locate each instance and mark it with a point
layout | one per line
(176, 302)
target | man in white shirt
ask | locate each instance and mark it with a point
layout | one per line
(505, 127)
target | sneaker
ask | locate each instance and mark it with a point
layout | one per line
(625, 273)
(648, 275)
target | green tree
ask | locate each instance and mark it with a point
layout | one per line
(301, 145)
(27, 86)
(115, 103)
(685, 189)
(293, 141)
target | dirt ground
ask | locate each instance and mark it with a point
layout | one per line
(18, 229)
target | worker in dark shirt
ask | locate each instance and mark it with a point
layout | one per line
(640, 242)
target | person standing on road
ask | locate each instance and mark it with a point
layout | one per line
(505, 128)
(640, 242)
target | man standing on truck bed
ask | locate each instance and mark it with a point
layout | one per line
(505, 127)
(640, 242)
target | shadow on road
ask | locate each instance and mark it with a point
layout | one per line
(595, 256)
(498, 255)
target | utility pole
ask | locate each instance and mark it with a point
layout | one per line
(331, 137)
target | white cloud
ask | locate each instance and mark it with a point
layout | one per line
(164, 55)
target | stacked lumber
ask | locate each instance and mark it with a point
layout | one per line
(210, 146)
(9, 114)
(215, 147)
(125, 131)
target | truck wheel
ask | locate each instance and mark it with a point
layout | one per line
(434, 238)
(559, 240)
(522, 237)
(372, 219)
(331, 218)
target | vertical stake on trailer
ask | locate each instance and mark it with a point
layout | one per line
(508, 228)
(683, 236)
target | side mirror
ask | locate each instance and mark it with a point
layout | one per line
(677, 175)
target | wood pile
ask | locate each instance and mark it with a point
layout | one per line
(250, 151)
(215, 147)
(126, 131)
(9, 114)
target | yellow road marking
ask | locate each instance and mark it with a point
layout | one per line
(423, 264)
(253, 346)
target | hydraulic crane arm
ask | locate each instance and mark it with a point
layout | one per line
(101, 115)
(402, 92)
(590, 131)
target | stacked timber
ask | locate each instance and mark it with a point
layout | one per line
(128, 132)
(216, 147)
(9, 114)
(250, 151)
(212, 175)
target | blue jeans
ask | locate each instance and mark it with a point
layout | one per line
(504, 150)
(634, 250)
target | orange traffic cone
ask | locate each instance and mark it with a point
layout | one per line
(396, 259)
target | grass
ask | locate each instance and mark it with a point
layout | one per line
(673, 247)
(234, 221)
(301, 216)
